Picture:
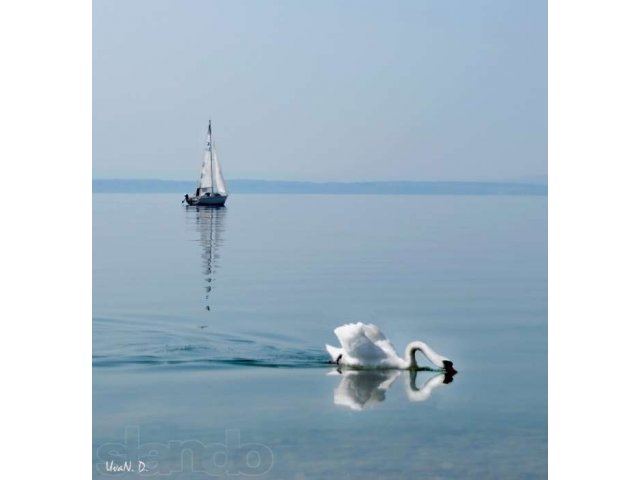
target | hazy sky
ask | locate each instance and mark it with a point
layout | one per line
(321, 90)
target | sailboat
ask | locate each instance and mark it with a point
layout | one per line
(211, 190)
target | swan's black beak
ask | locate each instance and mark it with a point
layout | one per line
(448, 368)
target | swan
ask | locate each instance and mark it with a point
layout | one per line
(365, 346)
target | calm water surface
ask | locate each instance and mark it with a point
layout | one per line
(209, 329)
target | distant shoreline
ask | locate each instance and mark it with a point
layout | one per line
(336, 188)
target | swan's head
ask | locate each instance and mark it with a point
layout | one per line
(448, 368)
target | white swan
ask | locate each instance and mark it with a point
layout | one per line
(365, 346)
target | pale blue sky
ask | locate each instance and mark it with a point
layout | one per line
(321, 90)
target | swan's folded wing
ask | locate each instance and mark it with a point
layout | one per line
(357, 344)
(373, 333)
(376, 336)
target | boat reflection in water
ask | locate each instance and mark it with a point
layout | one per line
(210, 225)
(361, 389)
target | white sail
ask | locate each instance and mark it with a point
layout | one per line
(206, 175)
(211, 179)
(219, 185)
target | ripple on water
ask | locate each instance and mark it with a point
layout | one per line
(152, 342)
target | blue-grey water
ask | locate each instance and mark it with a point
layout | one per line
(209, 329)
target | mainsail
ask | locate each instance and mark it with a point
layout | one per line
(211, 179)
(206, 183)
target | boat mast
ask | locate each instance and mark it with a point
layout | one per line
(211, 154)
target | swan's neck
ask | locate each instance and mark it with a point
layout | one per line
(413, 347)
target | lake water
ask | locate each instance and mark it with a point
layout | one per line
(209, 329)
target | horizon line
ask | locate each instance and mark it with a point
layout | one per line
(388, 187)
(534, 180)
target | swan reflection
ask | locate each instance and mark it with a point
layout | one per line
(360, 389)
(210, 226)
